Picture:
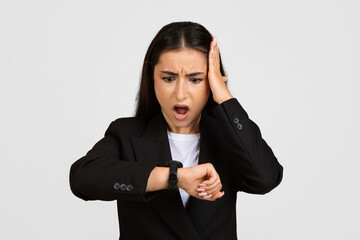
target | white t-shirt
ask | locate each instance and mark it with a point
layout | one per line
(185, 148)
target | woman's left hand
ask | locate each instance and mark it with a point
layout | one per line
(216, 81)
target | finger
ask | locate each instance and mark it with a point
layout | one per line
(212, 50)
(218, 195)
(202, 185)
(210, 190)
(207, 196)
(202, 194)
(212, 43)
(216, 52)
(212, 185)
(213, 178)
(214, 197)
(214, 65)
(215, 189)
(211, 57)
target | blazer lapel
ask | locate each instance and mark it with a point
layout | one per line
(205, 154)
(197, 207)
(153, 145)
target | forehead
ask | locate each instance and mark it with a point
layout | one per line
(187, 58)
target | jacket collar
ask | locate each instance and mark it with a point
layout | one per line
(156, 132)
(156, 129)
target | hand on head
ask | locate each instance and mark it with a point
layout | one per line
(216, 81)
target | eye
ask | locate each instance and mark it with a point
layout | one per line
(195, 80)
(168, 79)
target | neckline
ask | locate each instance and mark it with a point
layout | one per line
(183, 137)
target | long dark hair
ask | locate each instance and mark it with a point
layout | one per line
(174, 36)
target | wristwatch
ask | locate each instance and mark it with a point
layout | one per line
(173, 179)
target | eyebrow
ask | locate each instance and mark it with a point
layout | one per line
(176, 74)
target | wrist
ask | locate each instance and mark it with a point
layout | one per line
(158, 179)
(164, 177)
(224, 97)
(181, 177)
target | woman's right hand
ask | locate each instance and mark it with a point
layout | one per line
(200, 181)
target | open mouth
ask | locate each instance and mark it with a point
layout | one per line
(180, 112)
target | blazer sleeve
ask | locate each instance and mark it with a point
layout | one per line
(102, 175)
(254, 167)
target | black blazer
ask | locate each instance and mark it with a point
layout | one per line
(118, 167)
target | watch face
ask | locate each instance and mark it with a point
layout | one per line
(175, 163)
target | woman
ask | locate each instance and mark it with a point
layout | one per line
(189, 135)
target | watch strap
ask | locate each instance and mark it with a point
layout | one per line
(173, 169)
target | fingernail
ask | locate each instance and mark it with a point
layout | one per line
(203, 194)
(201, 184)
(200, 189)
(223, 193)
(208, 196)
(215, 41)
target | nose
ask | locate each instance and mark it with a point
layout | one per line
(181, 90)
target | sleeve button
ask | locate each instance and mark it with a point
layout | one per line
(123, 187)
(239, 126)
(236, 120)
(117, 186)
(129, 188)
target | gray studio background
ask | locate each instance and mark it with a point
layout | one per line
(69, 68)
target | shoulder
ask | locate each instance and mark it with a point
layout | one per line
(126, 125)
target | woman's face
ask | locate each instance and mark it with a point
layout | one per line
(182, 88)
